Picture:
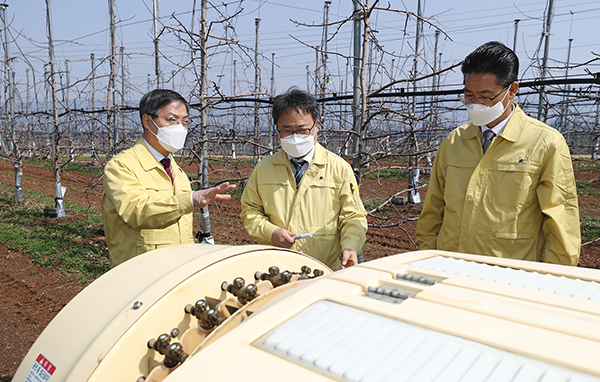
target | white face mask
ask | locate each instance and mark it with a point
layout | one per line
(296, 145)
(172, 137)
(481, 115)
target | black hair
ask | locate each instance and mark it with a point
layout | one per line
(299, 100)
(153, 101)
(495, 58)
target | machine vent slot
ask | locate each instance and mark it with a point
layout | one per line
(589, 290)
(388, 293)
(417, 278)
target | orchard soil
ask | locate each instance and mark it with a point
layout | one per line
(30, 295)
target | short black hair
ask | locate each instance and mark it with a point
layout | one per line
(495, 58)
(299, 100)
(153, 101)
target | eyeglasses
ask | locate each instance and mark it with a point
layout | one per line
(287, 132)
(172, 120)
(486, 100)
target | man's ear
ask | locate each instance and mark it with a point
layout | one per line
(512, 91)
(146, 121)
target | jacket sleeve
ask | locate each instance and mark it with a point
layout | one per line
(430, 220)
(557, 197)
(352, 220)
(253, 215)
(139, 206)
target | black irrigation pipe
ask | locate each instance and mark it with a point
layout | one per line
(335, 97)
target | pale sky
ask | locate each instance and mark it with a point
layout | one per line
(80, 27)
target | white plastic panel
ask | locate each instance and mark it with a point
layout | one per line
(349, 344)
(589, 290)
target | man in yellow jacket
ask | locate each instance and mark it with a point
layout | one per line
(148, 201)
(503, 184)
(305, 189)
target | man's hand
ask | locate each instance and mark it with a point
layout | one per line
(282, 238)
(348, 258)
(202, 197)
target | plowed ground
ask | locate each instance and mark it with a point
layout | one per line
(30, 296)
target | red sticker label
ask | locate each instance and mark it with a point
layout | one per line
(41, 370)
(50, 368)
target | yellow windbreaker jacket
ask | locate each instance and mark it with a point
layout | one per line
(141, 209)
(327, 204)
(515, 201)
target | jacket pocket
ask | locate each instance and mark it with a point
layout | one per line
(151, 239)
(322, 203)
(514, 235)
(511, 186)
(324, 184)
(160, 193)
(272, 188)
(457, 177)
(516, 245)
(274, 194)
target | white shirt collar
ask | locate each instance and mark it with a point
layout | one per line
(156, 154)
(499, 128)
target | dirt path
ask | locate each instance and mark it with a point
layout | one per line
(30, 297)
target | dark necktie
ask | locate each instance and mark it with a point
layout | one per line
(488, 135)
(166, 162)
(298, 170)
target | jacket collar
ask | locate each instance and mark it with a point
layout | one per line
(514, 128)
(147, 160)
(320, 155)
(511, 132)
